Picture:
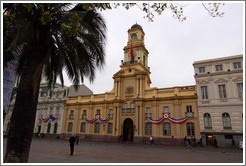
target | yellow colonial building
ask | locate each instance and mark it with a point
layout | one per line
(133, 111)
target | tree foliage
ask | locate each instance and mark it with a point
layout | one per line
(151, 9)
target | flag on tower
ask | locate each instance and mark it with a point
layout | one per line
(131, 51)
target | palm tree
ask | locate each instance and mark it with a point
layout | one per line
(48, 38)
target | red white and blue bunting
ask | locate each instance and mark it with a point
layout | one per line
(51, 117)
(97, 118)
(166, 116)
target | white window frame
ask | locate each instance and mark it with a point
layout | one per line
(237, 65)
(240, 89)
(204, 92)
(219, 67)
(165, 109)
(201, 69)
(166, 128)
(222, 91)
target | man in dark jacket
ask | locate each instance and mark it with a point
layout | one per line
(72, 139)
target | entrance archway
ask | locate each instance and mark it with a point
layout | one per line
(128, 131)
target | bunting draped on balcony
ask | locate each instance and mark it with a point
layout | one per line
(166, 116)
(51, 117)
(97, 118)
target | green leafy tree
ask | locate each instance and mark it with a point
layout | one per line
(48, 38)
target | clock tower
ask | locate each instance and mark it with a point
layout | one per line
(136, 45)
(134, 76)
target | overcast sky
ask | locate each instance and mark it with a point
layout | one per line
(173, 46)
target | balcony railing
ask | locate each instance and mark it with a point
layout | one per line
(148, 115)
(128, 110)
(189, 114)
(129, 62)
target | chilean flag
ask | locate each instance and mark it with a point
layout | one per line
(131, 51)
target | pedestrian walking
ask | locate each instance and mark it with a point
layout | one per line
(38, 135)
(215, 143)
(77, 139)
(72, 139)
(233, 143)
(185, 141)
(194, 141)
(188, 142)
(151, 140)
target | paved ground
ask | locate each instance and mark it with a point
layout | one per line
(57, 151)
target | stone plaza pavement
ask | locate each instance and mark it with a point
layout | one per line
(57, 151)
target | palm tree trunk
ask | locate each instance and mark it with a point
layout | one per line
(23, 116)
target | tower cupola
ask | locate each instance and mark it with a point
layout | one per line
(135, 51)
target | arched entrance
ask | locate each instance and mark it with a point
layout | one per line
(128, 131)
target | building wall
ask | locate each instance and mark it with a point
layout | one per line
(132, 86)
(51, 102)
(177, 109)
(214, 104)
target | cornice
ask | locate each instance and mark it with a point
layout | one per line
(219, 73)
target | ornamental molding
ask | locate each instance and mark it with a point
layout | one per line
(220, 80)
(238, 79)
(202, 82)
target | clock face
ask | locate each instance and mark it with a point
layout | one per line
(134, 36)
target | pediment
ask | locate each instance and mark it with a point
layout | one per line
(220, 80)
(238, 79)
(202, 82)
(119, 73)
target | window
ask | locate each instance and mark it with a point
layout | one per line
(218, 67)
(166, 110)
(55, 128)
(142, 37)
(132, 108)
(240, 89)
(201, 69)
(222, 91)
(237, 65)
(82, 127)
(190, 129)
(70, 126)
(110, 128)
(71, 114)
(64, 94)
(111, 113)
(97, 128)
(207, 121)
(84, 114)
(226, 121)
(166, 129)
(48, 129)
(204, 91)
(189, 109)
(148, 112)
(125, 107)
(228, 136)
(98, 112)
(148, 129)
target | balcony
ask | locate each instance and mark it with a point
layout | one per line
(128, 110)
(148, 115)
(189, 114)
(130, 62)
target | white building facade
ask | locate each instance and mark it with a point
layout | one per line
(220, 99)
(50, 109)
